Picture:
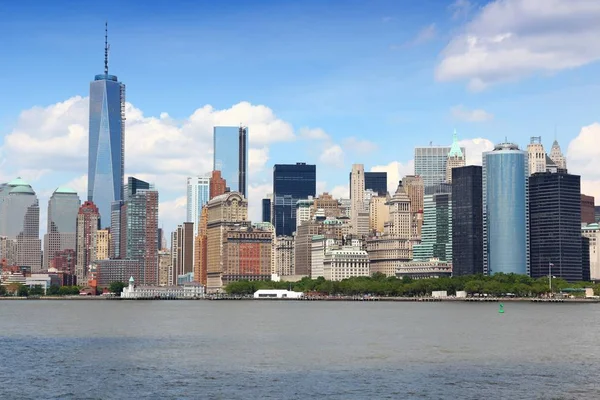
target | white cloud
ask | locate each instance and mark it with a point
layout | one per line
(591, 188)
(340, 192)
(512, 39)
(171, 213)
(464, 114)
(460, 8)
(314, 134)
(257, 193)
(395, 172)
(583, 152)
(333, 155)
(474, 149)
(321, 187)
(359, 146)
(79, 185)
(426, 34)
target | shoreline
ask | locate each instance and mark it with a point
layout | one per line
(344, 299)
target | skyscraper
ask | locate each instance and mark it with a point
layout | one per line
(87, 226)
(415, 189)
(63, 207)
(197, 196)
(291, 182)
(536, 155)
(456, 158)
(467, 221)
(555, 225)
(436, 239)
(588, 214)
(231, 156)
(557, 156)
(357, 194)
(505, 210)
(217, 185)
(376, 181)
(106, 159)
(183, 251)
(266, 210)
(431, 162)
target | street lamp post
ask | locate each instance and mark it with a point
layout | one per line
(550, 276)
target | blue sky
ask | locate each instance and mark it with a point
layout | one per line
(340, 82)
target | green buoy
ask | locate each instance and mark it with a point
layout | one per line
(501, 309)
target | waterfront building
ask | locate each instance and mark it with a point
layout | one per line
(436, 239)
(588, 213)
(304, 210)
(247, 253)
(164, 264)
(357, 195)
(266, 209)
(467, 221)
(109, 271)
(200, 248)
(103, 244)
(183, 250)
(88, 218)
(456, 158)
(188, 290)
(106, 159)
(230, 156)
(197, 196)
(431, 163)
(343, 262)
(415, 189)
(375, 181)
(555, 227)
(585, 260)
(62, 218)
(557, 157)
(224, 212)
(505, 210)
(8, 250)
(64, 261)
(317, 259)
(331, 228)
(591, 232)
(284, 256)
(424, 269)
(291, 182)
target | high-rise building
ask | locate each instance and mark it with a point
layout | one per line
(591, 232)
(456, 158)
(134, 185)
(266, 210)
(536, 155)
(555, 227)
(557, 156)
(379, 213)
(467, 221)
(20, 223)
(505, 210)
(224, 212)
(585, 259)
(431, 163)
(184, 251)
(102, 244)
(343, 262)
(106, 159)
(329, 205)
(200, 248)
(164, 264)
(436, 240)
(284, 254)
(231, 156)
(291, 182)
(197, 196)
(304, 210)
(415, 189)
(376, 181)
(88, 218)
(63, 207)
(357, 194)
(588, 212)
(217, 185)
(248, 253)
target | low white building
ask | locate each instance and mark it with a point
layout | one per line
(185, 291)
(43, 280)
(277, 294)
(345, 262)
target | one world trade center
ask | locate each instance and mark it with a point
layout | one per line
(106, 158)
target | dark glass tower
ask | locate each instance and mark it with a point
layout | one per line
(106, 160)
(266, 210)
(467, 221)
(231, 156)
(291, 182)
(555, 225)
(376, 181)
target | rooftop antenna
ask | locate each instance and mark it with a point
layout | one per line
(106, 48)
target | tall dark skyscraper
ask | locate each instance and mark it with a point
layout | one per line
(266, 210)
(106, 159)
(231, 156)
(291, 182)
(376, 181)
(555, 225)
(467, 221)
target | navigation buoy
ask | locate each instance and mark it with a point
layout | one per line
(501, 309)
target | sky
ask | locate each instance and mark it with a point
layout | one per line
(327, 82)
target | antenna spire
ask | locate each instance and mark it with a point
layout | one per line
(106, 48)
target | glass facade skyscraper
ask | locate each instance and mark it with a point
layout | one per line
(436, 232)
(63, 207)
(106, 160)
(231, 156)
(197, 196)
(431, 163)
(291, 182)
(505, 210)
(376, 181)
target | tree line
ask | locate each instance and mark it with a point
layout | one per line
(380, 285)
(18, 289)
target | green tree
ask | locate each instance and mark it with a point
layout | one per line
(54, 290)
(473, 287)
(37, 290)
(2, 290)
(23, 291)
(116, 287)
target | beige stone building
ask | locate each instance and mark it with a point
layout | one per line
(328, 204)
(247, 253)
(357, 195)
(284, 256)
(536, 155)
(102, 244)
(164, 266)
(415, 189)
(378, 213)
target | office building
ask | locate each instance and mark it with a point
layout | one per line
(266, 210)
(378, 213)
(231, 156)
(343, 262)
(197, 196)
(106, 159)
(63, 207)
(88, 218)
(431, 163)
(329, 205)
(591, 232)
(164, 264)
(536, 155)
(467, 221)
(102, 244)
(248, 253)
(436, 239)
(376, 181)
(141, 233)
(588, 212)
(330, 228)
(555, 227)
(284, 256)
(200, 248)
(585, 259)
(116, 220)
(456, 158)
(291, 182)
(217, 185)
(415, 189)
(557, 157)
(505, 210)
(20, 223)
(304, 210)
(424, 269)
(357, 194)
(183, 250)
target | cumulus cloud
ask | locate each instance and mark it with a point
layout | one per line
(314, 134)
(340, 192)
(333, 155)
(583, 152)
(359, 146)
(511, 39)
(474, 149)
(257, 192)
(462, 113)
(460, 8)
(426, 34)
(395, 172)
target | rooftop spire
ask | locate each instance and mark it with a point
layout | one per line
(106, 48)
(455, 150)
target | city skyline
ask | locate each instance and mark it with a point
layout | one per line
(45, 131)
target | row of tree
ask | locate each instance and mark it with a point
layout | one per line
(380, 285)
(18, 289)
